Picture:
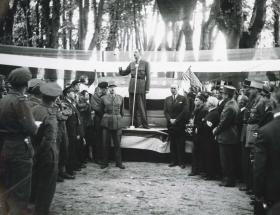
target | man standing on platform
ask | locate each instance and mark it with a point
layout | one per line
(175, 111)
(139, 85)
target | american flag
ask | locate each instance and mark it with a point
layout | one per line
(191, 79)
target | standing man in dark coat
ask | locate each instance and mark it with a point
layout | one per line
(112, 124)
(175, 111)
(142, 69)
(97, 111)
(17, 125)
(227, 136)
(46, 148)
(266, 168)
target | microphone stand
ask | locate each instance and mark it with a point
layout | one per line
(133, 105)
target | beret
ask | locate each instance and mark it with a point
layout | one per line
(51, 89)
(19, 76)
(103, 84)
(34, 82)
(266, 90)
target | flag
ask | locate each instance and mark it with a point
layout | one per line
(91, 88)
(190, 79)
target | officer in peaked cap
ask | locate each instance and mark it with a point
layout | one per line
(19, 77)
(229, 90)
(226, 134)
(47, 154)
(51, 89)
(17, 124)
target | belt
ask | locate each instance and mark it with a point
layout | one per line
(138, 78)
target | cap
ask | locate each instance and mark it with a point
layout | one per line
(229, 90)
(75, 82)
(19, 76)
(256, 85)
(202, 97)
(51, 89)
(112, 84)
(68, 89)
(266, 90)
(246, 83)
(103, 84)
(35, 83)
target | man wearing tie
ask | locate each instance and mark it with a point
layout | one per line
(175, 111)
(139, 85)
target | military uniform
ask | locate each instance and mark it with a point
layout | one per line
(112, 125)
(16, 124)
(143, 85)
(227, 137)
(46, 149)
(267, 162)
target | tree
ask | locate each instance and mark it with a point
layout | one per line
(98, 13)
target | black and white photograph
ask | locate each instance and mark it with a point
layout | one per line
(139, 107)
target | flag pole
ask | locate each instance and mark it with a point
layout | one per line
(133, 105)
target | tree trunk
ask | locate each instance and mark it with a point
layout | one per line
(45, 22)
(230, 21)
(208, 27)
(151, 43)
(64, 36)
(114, 27)
(276, 26)
(26, 10)
(249, 38)
(70, 20)
(137, 33)
(94, 41)
(39, 37)
(53, 40)
(7, 21)
(188, 33)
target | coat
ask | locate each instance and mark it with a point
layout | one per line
(226, 131)
(267, 162)
(143, 77)
(176, 110)
(113, 112)
(47, 132)
(16, 124)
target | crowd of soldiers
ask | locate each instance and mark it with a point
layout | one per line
(236, 139)
(48, 134)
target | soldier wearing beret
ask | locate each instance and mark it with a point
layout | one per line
(227, 136)
(97, 110)
(46, 147)
(112, 126)
(17, 125)
(140, 68)
(35, 97)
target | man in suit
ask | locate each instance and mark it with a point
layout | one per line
(227, 136)
(112, 124)
(142, 81)
(175, 111)
(266, 169)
